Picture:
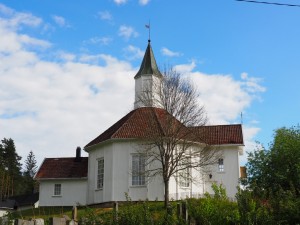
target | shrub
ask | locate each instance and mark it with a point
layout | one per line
(214, 210)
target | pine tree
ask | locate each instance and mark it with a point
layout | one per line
(10, 162)
(30, 170)
(30, 165)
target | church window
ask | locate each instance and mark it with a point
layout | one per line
(185, 173)
(138, 170)
(184, 178)
(221, 165)
(57, 189)
(100, 173)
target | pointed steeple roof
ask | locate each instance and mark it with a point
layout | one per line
(148, 65)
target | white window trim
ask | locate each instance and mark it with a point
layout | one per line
(55, 194)
(221, 167)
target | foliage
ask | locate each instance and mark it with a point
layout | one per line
(279, 167)
(11, 167)
(215, 209)
(30, 170)
(286, 206)
(253, 210)
(273, 183)
(133, 213)
(30, 165)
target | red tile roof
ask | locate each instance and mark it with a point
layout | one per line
(56, 168)
(136, 124)
(220, 134)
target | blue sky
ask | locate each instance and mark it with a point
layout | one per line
(67, 67)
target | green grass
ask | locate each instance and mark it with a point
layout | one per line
(43, 212)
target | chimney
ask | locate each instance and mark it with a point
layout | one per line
(78, 154)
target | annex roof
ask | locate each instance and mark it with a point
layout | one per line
(138, 123)
(58, 168)
(220, 134)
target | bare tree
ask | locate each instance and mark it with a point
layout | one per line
(176, 142)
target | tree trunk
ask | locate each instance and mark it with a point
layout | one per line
(166, 193)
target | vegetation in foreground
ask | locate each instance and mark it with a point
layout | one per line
(210, 210)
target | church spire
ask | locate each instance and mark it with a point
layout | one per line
(148, 65)
(147, 80)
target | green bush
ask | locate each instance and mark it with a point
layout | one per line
(253, 210)
(214, 210)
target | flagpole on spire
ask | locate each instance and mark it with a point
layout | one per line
(149, 29)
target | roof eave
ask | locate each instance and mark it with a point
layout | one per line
(61, 178)
(108, 141)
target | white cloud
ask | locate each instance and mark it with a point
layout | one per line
(186, 68)
(65, 56)
(252, 83)
(105, 15)
(168, 52)
(60, 21)
(99, 40)
(5, 10)
(14, 20)
(25, 39)
(144, 2)
(127, 32)
(119, 2)
(133, 52)
(51, 107)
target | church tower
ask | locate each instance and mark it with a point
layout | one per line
(147, 81)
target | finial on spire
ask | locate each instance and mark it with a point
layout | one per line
(149, 28)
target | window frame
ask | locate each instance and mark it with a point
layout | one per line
(184, 178)
(138, 164)
(221, 165)
(100, 173)
(57, 190)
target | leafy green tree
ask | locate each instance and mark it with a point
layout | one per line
(274, 179)
(279, 167)
(30, 170)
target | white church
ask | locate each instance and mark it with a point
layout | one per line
(106, 174)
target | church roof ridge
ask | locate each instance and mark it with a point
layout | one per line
(148, 65)
(135, 124)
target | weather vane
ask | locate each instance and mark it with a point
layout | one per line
(149, 29)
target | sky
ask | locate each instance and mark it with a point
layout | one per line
(67, 67)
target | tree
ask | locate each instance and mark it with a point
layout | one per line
(278, 167)
(30, 170)
(176, 143)
(10, 161)
(30, 165)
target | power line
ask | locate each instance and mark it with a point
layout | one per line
(268, 3)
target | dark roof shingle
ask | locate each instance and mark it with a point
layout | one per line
(220, 134)
(57, 168)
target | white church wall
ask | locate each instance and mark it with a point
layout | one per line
(118, 178)
(73, 192)
(152, 190)
(229, 178)
(104, 194)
